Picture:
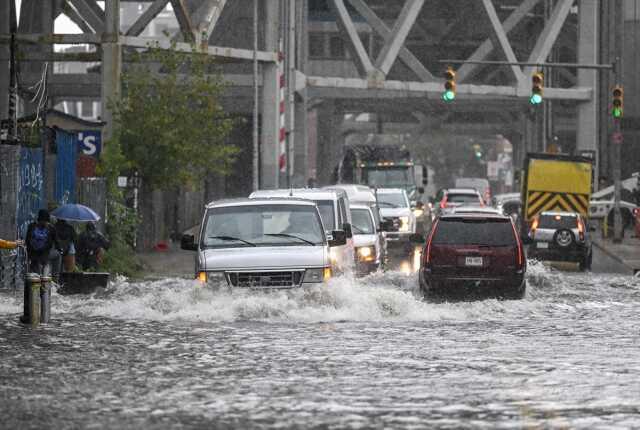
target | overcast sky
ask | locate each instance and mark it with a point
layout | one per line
(63, 24)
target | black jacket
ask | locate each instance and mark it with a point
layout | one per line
(51, 241)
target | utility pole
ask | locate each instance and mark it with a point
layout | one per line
(256, 143)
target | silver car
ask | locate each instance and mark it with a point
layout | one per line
(366, 239)
(263, 243)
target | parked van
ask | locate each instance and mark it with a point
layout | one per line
(262, 243)
(334, 209)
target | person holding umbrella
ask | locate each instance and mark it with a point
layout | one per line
(91, 247)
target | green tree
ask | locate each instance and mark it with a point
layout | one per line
(170, 124)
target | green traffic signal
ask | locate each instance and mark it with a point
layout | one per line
(617, 112)
(535, 99)
(448, 96)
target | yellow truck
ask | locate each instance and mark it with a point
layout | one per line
(553, 182)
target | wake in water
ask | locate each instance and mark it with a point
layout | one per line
(390, 296)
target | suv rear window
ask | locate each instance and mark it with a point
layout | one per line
(474, 231)
(555, 222)
(463, 198)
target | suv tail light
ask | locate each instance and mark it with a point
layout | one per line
(534, 227)
(443, 202)
(580, 229)
(519, 248)
(427, 253)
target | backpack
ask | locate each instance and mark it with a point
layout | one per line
(39, 238)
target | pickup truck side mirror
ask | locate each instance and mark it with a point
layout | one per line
(339, 238)
(188, 243)
(347, 229)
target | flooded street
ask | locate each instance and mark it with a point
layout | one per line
(353, 354)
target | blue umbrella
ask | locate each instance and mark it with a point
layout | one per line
(75, 212)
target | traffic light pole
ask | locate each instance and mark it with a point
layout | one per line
(616, 139)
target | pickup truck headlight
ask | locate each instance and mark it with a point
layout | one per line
(366, 253)
(404, 224)
(212, 278)
(312, 276)
(418, 212)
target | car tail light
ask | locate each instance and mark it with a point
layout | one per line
(534, 227)
(520, 250)
(443, 203)
(427, 253)
(580, 229)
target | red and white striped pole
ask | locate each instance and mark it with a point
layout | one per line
(282, 139)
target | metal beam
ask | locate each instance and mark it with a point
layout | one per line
(152, 11)
(111, 65)
(550, 33)
(502, 39)
(381, 28)
(95, 20)
(349, 33)
(207, 16)
(487, 46)
(52, 39)
(184, 19)
(74, 16)
(216, 51)
(361, 88)
(399, 34)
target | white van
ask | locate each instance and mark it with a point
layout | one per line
(334, 209)
(480, 184)
(262, 243)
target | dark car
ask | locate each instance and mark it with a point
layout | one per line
(473, 254)
(561, 236)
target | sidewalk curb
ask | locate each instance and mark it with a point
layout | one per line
(612, 255)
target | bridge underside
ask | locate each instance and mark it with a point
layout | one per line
(350, 67)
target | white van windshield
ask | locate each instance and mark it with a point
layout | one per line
(262, 225)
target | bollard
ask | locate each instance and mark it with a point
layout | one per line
(31, 300)
(45, 299)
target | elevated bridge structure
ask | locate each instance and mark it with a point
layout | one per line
(349, 66)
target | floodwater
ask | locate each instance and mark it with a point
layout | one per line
(353, 354)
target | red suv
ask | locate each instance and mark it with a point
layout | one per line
(473, 254)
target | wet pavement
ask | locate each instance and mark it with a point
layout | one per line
(365, 353)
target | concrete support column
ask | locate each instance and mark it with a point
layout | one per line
(111, 64)
(270, 111)
(301, 152)
(327, 129)
(5, 20)
(587, 127)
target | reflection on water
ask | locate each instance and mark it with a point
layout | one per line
(358, 354)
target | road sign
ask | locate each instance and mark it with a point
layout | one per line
(617, 138)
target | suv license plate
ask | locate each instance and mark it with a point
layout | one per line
(543, 245)
(473, 261)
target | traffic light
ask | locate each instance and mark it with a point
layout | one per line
(537, 84)
(449, 85)
(618, 102)
(477, 151)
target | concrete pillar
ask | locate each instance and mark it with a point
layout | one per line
(328, 130)
(587, 127)
(111, 64)
(270, 113)
(5, 21)
(301, 152)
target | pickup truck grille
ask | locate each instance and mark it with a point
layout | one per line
(288, 279)
(395, 221)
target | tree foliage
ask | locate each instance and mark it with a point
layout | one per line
(169, 121)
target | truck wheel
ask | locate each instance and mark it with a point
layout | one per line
(564, 238)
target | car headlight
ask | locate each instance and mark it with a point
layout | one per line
(212, 278)
(418, 212)
(312, 276)
(404, 223)
(366, 253)
(333, 255)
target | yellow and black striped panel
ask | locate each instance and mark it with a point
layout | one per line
(540, 201)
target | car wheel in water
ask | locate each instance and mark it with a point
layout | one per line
(564, 238)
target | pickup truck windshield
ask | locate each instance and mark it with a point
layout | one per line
(392, 200)
(262, 225)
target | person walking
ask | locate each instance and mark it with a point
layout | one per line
(40, 239)
(91, 247)
(67, 239)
